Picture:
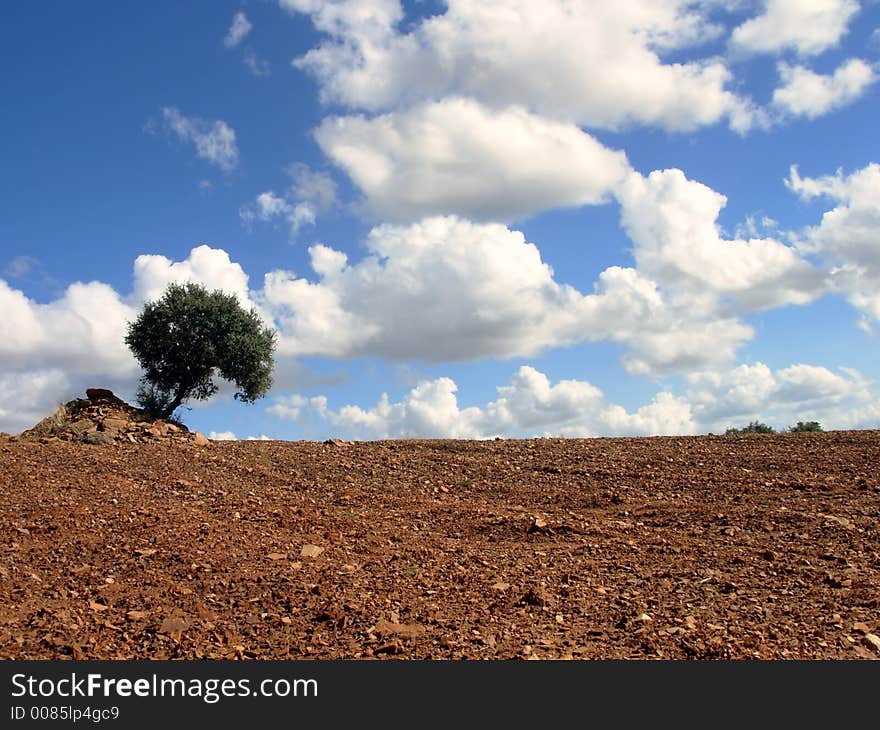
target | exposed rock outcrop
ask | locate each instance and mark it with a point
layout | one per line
(102, 419)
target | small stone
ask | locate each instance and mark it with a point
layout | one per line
(200, 439)
(98, 438)
(173, 624)
(392, 628)
(873, 641)
(311, 551)
(536, 596)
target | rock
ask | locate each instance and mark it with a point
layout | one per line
(873, 641)
(392, 628)
(536, 596)
(82, 427)
(201, 439)
(100, 394)
(98, 438)
(311, 551)
(173, 624)
(114, 425)
(335, 442)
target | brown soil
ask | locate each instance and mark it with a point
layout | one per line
(708, 547)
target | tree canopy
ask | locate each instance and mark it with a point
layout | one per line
(190, 335)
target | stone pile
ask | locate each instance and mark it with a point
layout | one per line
(102, 418)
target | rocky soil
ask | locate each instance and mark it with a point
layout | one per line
(685, 548)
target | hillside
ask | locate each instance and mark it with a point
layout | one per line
(707, 547)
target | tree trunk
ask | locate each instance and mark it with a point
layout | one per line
(168, 411)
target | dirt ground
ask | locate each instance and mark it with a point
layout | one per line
(678, 548)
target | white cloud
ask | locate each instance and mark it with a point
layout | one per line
(781, 398)
(673, 222)
(594, 63)
(80, 332)
(847, 235)
(238, 30)
(28, 397)
(806, 26)
(222, 436)
(529, 405)
(806, 93)
(447, 289)
(208, 266)
(214, 140)
(20, 266)
(310, 194)
(257, 66)
(455, 156)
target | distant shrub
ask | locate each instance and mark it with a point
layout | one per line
(753, 427)
(806, 427)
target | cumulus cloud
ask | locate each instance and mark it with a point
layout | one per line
(528, 405)
(447, 289)
(808, 27)
(222, 436)
(27, 397)
(799, 392)
(531, 405)
(847, 235)
(673, 222)
(208, 266)
(238, 30)
(310, 194)
(592, 63)
(78, 332)
(456, 156)
(806, 93)
(214, 140)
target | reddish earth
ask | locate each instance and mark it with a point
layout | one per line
(709, 547)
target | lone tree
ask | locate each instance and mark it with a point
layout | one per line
(190, 334)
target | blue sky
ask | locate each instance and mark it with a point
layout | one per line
(464, 219)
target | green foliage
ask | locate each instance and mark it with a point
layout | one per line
(753, 427)
(190, 335)
(806, 427)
